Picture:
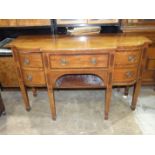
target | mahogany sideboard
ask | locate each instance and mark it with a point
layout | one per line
(99, 61)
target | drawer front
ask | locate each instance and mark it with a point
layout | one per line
(150, 64)
(79, 61)
(148, 76)
(124, 75)
(127, 58)
(33, 60)
(34, 78)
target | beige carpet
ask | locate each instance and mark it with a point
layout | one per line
(78, 112)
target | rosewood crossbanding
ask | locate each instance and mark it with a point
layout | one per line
(79, 62)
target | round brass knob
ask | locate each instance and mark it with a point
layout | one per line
(29, 77)
(26, 61)
(131, 58)
(93, 61)
(129, 74)
(64, 61)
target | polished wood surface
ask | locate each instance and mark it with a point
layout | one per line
(79, 62)
(62, 43)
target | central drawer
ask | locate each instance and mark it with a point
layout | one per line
(79, 61)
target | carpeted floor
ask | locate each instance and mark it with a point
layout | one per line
(78, 112)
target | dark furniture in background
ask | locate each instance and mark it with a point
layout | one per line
(143, 27)
(2, 108)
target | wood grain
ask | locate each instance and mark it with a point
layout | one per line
(8, 76)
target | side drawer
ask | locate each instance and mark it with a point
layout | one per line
(33, 60)
(34, 78)
(127, 58)
(79, 61)
(124, 75)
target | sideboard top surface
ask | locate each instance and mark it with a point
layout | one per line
(53, 43)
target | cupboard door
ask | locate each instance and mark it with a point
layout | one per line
(4, 22)
(33, 22)
(8, 76)
(102, 21)
(149, 74)
(139, 22)
(7, 22)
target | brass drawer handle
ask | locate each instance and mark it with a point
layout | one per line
(64, 61)
(129, 74)
(131, 58)
(93, 61)
(29, 77)
(26, 61)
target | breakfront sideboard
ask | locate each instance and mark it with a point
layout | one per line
(65, 62)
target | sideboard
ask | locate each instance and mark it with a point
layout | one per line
(74, 62)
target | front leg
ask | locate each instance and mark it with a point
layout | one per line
(52, 102)
(136, 92)
(108, 93)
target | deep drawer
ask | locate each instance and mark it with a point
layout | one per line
(34, 78)
(124, 75)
